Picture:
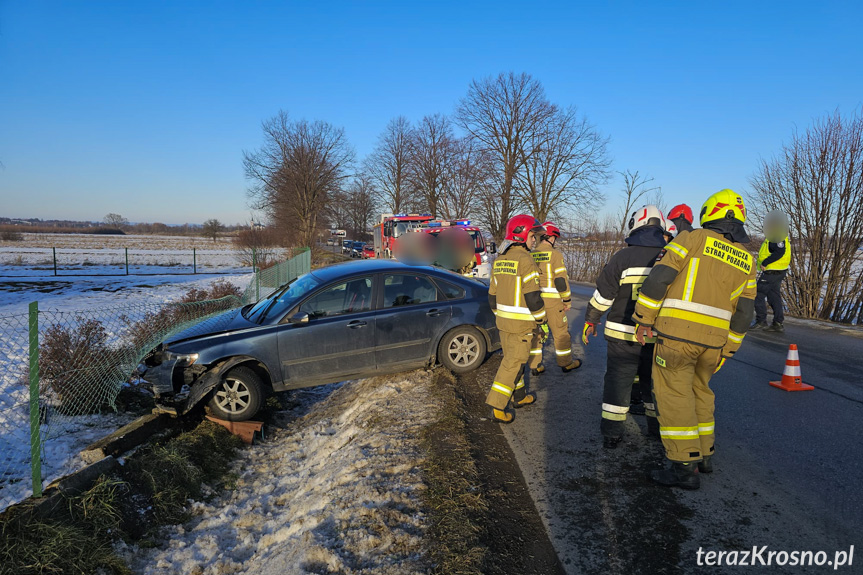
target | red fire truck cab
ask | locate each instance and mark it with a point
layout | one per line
(393, 226)
(481, 267)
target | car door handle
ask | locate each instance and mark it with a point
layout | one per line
(433, 312)
(356, 324)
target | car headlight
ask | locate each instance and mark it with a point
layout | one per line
(183, 359)
(484, 258)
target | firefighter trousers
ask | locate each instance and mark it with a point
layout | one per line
(559, 328)
(509, 379)
(626, 361)
(684, 400)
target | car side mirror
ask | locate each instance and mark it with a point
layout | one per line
(300, 318)
(492, 248)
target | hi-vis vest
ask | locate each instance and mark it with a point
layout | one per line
(782, 263)
(694, 290)
(549, 261)
(514, 274)
(617, 288)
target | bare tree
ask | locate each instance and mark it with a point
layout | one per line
(360, 205)
(115, 221)
(211, 228)
(387, 165)
(467, 180)
(431, 151)
(300, 165)
(337, 213)
(817, 179)
(502, 114)
(635, 187)
(565, 160)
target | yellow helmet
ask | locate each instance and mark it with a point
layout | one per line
(724, 204)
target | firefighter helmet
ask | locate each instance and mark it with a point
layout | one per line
(723, 205)
(681, 211)
(670, 229)
(519, 226)
(551, 229)
(648, 215)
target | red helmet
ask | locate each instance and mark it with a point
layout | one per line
(519, 226)
(551, 229)
(681, 211)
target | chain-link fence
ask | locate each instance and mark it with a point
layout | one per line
(268, 280)
(61, 373)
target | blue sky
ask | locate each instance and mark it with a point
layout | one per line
(144, 108)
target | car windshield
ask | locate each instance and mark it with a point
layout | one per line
(282, 299)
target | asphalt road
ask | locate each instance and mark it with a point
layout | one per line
(789, 466)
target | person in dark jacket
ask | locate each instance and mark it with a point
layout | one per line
(616, 291)
(774, 258)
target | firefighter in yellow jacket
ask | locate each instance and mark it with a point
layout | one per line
(514, 296)
(699, 302)
(554, 286)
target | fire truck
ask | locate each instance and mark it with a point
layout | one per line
(393, 226)
(481, 266)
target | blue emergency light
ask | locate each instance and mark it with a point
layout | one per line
(433, 224)
(462, 222)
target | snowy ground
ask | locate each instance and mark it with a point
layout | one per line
(102, 254)
(65, 436)
(336, 490)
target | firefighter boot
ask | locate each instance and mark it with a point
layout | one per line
(653, 428)
(574, 364)
(706, 464)
(609, 442)
(538, 370)
(524, 401)
(679, 474)
(502, 415)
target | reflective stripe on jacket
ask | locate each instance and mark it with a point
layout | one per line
(701, 291)
(553, 277)
(616, 289)
(514, 275)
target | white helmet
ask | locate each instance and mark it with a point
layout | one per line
(670, 228)
(648, 215)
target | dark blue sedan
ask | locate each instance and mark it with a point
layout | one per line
(345, 321)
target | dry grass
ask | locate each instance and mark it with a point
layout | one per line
(152, 490)
(454, 499)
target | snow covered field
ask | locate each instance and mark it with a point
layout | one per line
(105, 254)
(336, 490)
(65, 436)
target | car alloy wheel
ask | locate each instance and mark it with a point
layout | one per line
(463, 349)
(238, 397)
(233, 396)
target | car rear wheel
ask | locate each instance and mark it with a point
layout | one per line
(238, 397)
(462, 349)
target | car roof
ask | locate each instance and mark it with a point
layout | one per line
(376, 266)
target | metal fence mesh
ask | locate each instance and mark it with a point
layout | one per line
(267, 281)
(85, 357)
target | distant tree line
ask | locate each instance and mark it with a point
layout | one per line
(505, 149)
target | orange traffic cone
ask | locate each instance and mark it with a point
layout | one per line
(791, 380)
